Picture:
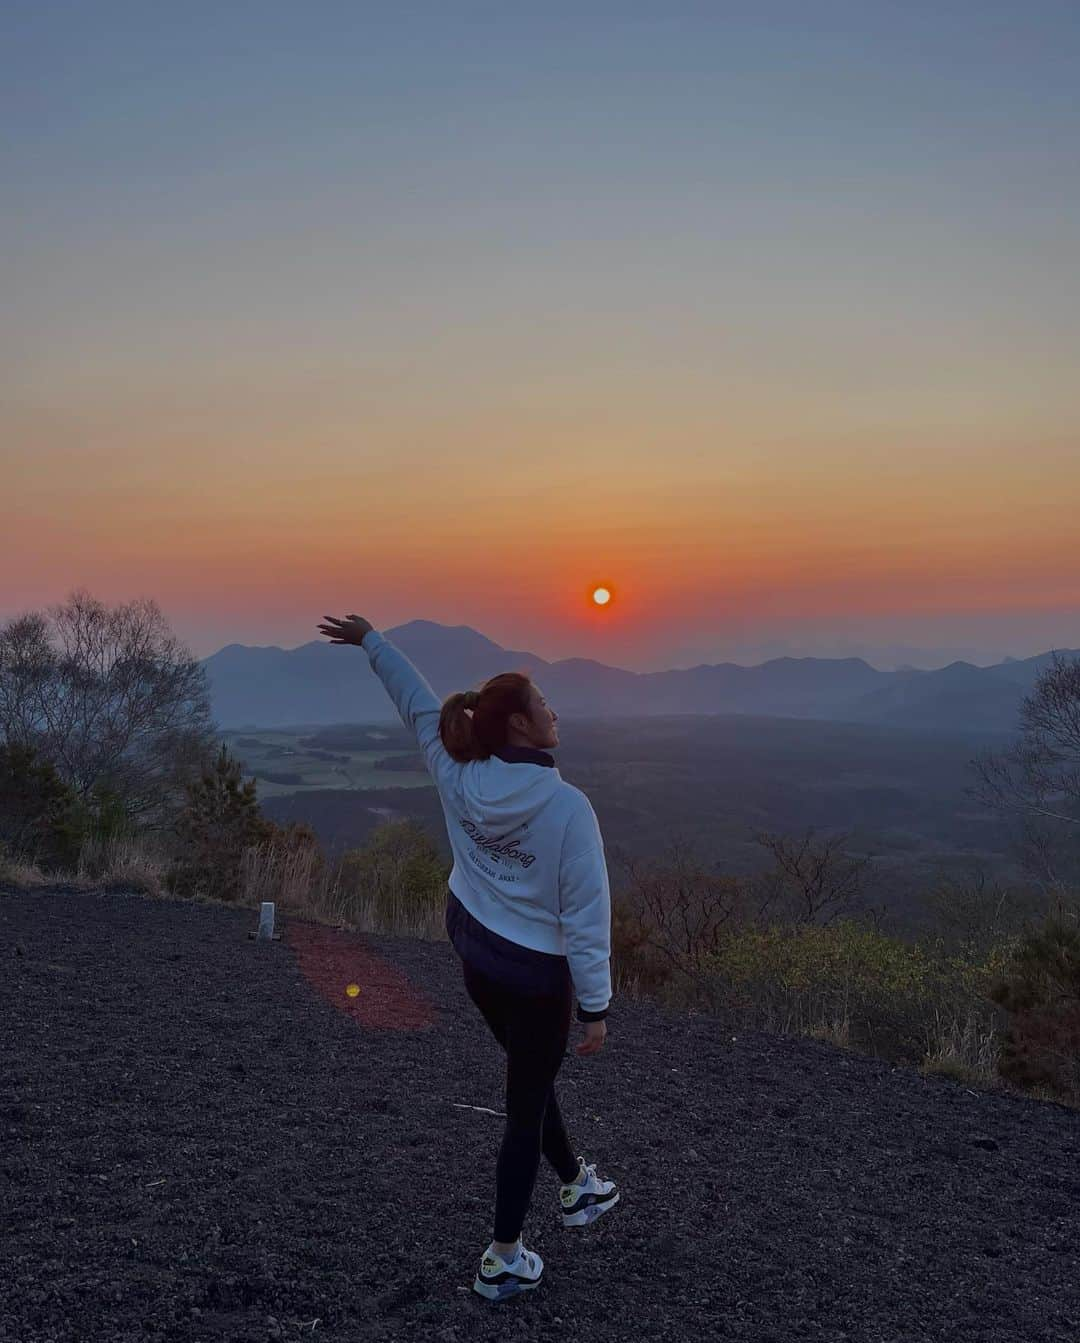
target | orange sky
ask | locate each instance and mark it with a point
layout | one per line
(507, 531)
(773, 330)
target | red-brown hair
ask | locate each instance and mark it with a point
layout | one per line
(475, 735)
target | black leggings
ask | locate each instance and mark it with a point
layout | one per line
(533, 1030)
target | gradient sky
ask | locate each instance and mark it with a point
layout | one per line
(766, 314)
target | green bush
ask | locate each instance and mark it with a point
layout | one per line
(1040, 988)
(396, 881)
(106, 828)
(847, 980)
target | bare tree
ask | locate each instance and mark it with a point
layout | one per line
(684, 908)
(818, 877)
(973, 911)
(1034, 783)
(109, 697)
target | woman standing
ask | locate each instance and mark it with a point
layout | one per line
(529, 913)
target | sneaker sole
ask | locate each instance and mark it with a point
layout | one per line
(502, 1291)
(588, 1215)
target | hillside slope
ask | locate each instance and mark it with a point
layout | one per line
(319, 683)
(203, 1140)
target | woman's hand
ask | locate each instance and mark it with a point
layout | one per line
(595, 1035)
(350, 631)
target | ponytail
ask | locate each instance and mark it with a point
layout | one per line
(456, 729)
(472, 723)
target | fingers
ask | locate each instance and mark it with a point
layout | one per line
(339, 631)
(338, 625)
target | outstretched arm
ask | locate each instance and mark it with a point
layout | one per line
(585, 912)
(413, 698)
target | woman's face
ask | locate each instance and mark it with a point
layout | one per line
(539, 729)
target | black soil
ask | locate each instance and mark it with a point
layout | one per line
(195, 1144)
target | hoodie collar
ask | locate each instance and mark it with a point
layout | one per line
(524, 755)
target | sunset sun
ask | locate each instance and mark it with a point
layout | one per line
(601, 596)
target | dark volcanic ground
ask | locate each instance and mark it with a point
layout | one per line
(196, 1144)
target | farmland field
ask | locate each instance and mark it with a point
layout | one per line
(713, 782)
(298, 760)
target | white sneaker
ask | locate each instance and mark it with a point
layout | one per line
(499, 1278)
(584, 1203)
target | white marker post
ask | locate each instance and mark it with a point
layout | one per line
(266, 921)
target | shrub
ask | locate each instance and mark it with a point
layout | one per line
(1040, 988)
(108, 833)
(396, 882)
(677, 910)
(41, 818)
(847, 981)
(220, 821)
(971, 912)
(637, 964)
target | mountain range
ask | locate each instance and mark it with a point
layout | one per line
(321, 683)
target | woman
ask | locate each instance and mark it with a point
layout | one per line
(529, 913)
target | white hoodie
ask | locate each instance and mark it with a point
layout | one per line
(528, 855)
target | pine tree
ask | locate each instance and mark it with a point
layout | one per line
(41, 819)
(219, 821)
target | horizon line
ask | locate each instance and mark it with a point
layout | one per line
(783, 657)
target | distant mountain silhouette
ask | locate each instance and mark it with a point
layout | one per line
(320, 683)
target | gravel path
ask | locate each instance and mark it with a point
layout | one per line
(200, 1141)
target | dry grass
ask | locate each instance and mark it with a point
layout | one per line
(287, 876)
(964, 1049)
(960, 1047)
(955, 1071)
(22, 876)
(833, 1030)
(295, 880)
(139, 864)
(299, 881)
(960, 1040)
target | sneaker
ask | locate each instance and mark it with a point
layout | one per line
(499, 1278)
(584, 1203)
